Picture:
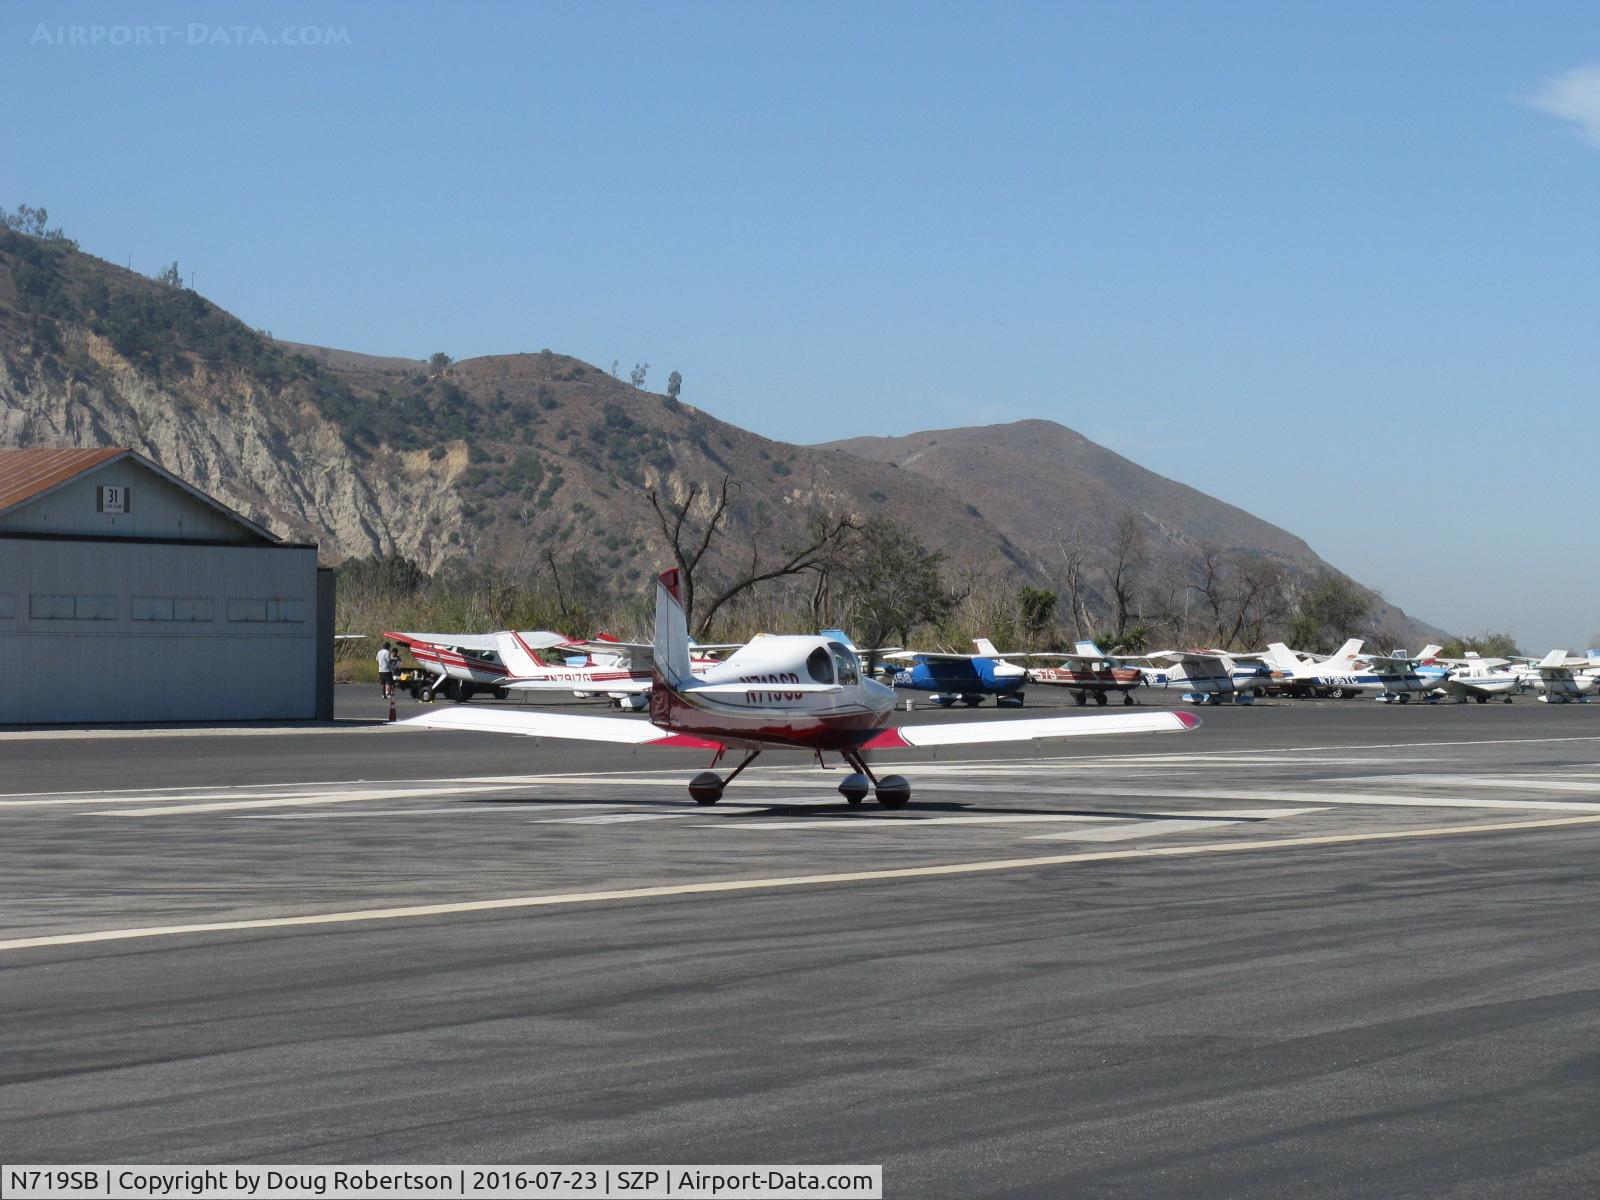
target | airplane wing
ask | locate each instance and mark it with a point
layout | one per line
(937, 656)
(978, 733)
(618, 730)
(478, 643)
(622, 685)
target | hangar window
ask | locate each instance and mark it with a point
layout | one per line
(8, 606)
(46, 607)
(819, 665)
(247, 610)
(266, 610)
(172, 608)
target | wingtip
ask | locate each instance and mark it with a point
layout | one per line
(1187, 719)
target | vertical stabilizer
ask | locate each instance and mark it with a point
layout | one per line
(1429, 651)
(840, 636)
(1089, 649)
(672, 631)
(518, 649)
(986, 647)
(1347, 651)
(1282, 658)
(1556, 658)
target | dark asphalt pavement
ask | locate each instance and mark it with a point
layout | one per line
(1411, 1015)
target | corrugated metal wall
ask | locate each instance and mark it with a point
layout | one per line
(105, 666)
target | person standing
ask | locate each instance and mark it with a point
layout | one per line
(386, 670)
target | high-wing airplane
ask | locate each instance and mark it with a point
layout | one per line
(1086, 671)
(1349, 672)
(961, 678)
(802, 692)
(1207, 676)
(1477, 678)
(605, 666)
(1560, 679)
(466, 664)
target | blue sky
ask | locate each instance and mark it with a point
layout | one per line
(1336, 264)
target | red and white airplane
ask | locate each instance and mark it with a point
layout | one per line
(466, 664)
(797, 692)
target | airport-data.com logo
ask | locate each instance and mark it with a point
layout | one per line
(194, 33)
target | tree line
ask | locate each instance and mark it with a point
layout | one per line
(877, 579)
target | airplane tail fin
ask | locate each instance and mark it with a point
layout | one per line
(986, 647)
(517, 649)
(672, 631)
(1089, 649)
(1281, 658)
(1555, 658)
(840, 636)
(1349, 650)
(1429, 651)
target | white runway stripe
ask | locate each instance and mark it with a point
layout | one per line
(1542, 783)
(1126, 831)
(612, 818)
(292, 801)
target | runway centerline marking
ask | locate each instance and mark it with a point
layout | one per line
(988, 866)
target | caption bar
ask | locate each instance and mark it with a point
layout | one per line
(469, 1183)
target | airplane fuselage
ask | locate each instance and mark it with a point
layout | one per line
(760, 698)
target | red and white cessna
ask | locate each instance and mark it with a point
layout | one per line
(800, 692)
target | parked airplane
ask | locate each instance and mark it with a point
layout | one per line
(605, 666)
(1348, 672)
(1477, 678)
(803, 692)
(1085, 672)
(466, 664)
(1560, 679)
(961, 678)
(1207, 676)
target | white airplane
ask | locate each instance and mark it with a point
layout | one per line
(799, 692)
(1207, 676)
(1477, 678)
(1560, 679)
(1348, 672)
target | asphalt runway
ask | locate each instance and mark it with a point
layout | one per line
(1312, 949)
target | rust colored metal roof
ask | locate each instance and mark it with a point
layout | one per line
(25, 474)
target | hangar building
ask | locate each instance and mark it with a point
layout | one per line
(126, 595)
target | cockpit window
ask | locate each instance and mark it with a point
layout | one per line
(820, 666)
(845, 661)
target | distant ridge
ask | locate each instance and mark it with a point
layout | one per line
(521, 459)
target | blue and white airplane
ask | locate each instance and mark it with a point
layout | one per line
(961, 678)
(1348, 672)
(1206, 676)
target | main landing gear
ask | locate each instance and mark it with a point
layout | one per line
(892, 790)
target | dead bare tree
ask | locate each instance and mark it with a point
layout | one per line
(690, 538)
(1075, 566)
(823, 533)
(1208, 575)
(1123, 565)
(687, 544)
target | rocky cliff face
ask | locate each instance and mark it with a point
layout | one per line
(274, 459)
